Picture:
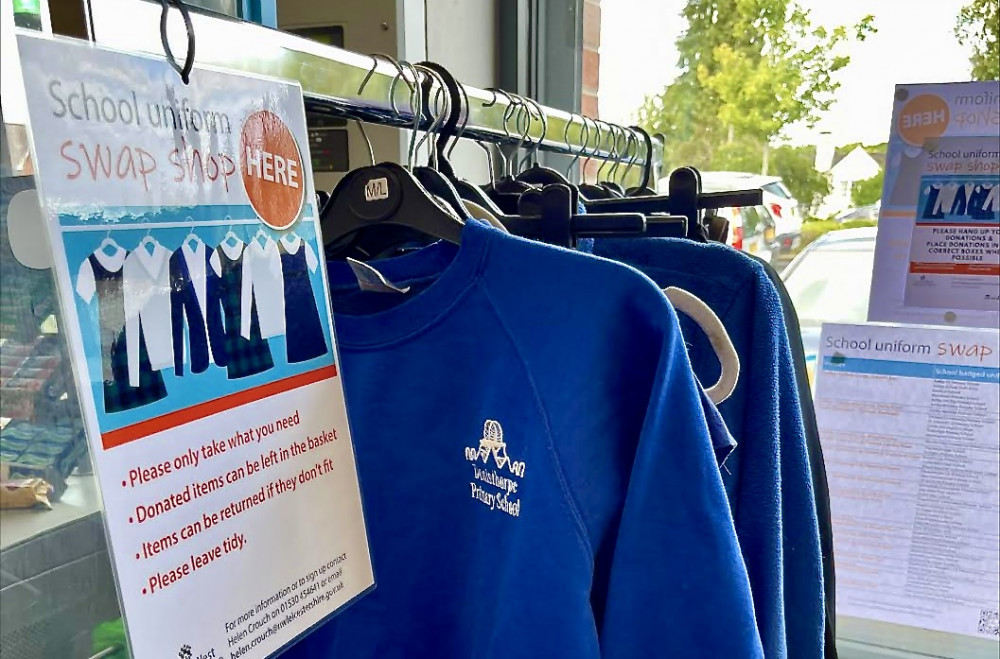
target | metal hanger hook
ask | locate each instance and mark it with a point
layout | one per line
(597, 148)
(185, 69)
(392, 86)
(465, 122)
(618, 132)
(586, 140)
(417, 104)
(522, 111)
(441, 117)
(489, 163)
(635, 155)
(506, 115)
(533, 150)
(614, 149)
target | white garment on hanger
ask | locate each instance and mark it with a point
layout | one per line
(231, 250)
(146, 284)
(195, 260)
(992, 198)
(946, 198)
(718, 337)
(292, 245)
(263, 285)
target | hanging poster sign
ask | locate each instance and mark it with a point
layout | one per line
(188, 260)
(937, 256)
(910, 424)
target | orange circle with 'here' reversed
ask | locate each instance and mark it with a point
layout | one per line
(271, 167)
(925, 116)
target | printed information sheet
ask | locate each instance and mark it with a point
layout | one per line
(909, 419)
(937, 258)
(188, 260)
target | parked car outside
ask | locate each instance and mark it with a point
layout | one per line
(777, 198)
(771, 230)
(869, 212)
(751, 230)
(830, 282)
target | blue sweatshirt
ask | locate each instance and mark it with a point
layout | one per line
(520, 501)
(768, 478)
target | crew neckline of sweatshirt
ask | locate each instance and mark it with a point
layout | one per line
(453, 269)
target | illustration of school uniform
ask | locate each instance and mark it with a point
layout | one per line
(992, 200)
(961, 202)
(976, 199)
(194, 284)
(946, 199)
(931, 206)
(102, 275)
(304, 330)
(262, 287)
(146, 282)
(244, 356)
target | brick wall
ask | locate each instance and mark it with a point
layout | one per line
(591, 74)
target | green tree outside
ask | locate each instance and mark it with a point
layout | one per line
(978, 25)
(867, 192)
(750, 68)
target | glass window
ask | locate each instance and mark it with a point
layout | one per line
(795, 97)
(820, 297)
(57, 593)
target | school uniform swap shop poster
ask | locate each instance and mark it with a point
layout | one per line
(937, 257)
(189, 266)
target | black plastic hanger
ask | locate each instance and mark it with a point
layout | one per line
(459, 106)
(684, 198)
(385, 194)
(549, 214)
(433, 180)
(644, 189)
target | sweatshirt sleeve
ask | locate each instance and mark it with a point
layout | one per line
(677, 584)
(756, 471)
(803, 556)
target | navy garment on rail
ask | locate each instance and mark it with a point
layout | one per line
(523, 502)
(768, 477)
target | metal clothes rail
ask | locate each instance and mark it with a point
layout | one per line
(330, 78)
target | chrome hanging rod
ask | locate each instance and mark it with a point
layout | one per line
(330, 79)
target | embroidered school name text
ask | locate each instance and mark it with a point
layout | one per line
(500, 493)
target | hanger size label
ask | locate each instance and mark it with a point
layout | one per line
(377, 189)
(186, 245)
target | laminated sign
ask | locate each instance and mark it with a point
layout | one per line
(936, 256)
(188, 260)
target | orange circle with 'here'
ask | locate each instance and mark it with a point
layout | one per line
(271, 167)
(923, 117)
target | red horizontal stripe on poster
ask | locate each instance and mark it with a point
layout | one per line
(978, 225)
(955, 269)
(152, 426)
